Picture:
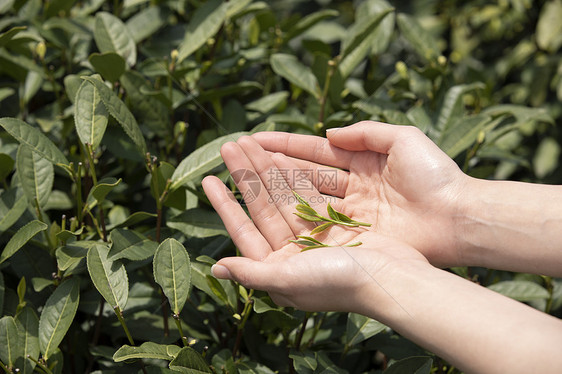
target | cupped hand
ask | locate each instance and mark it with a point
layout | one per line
(392, 176)
(332, 278)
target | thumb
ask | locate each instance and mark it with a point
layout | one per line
(368, 136)
(250, 273)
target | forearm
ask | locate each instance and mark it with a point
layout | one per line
(472, 327)
(512, 226)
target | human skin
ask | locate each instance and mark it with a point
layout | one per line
(404, 184)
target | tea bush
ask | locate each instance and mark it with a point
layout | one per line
(112, 113)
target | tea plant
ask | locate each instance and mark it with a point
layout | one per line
(112, 113)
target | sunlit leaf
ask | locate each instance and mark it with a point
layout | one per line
(189, 361)
(28, 327)
(204, 24)
(201, 161)
(9, 340)
(172, 271)
(290, 68)
(36, 175)
(109, 277)
(57, 315)
(34, 139)
(109, 65)
(145, 350)
(131, 245)
(21, 237)
(360, 328)
(120, 112)
(421, 40)
(112, 35)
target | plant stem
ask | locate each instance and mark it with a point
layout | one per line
(302, 329)
(119, 315)
(4, 367)
(41, 365)
(180, 329)
(245, 314)
(324, 97)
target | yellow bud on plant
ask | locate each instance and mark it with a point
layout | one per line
(442, 60)
(41, 49)
(174, 54)
(401, 69)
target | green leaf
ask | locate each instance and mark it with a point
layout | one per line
(131, 245)
(28, 327)
(198, 223)
(204, 24)
(305, 209)
(6, 92)
(57, 315)
(332, 212)
(5, 37)
(9, 347)
(71, 254)
(111, 35)
(109, 65)
(520, 290)
(2, 292)
(546, 157)
(360, 328)
(189, 361)
(452, 107)
(33, 138)
(21, 237)
(65, 235)
(549, 28)
(414, 365)
(303, 362)
(147, 22)
(313, 247)
(289, 67)
(217, 289)
(98, 194)
(358, 44)
(460, 135)
(419, 38)
(172, 271)
(136, 218)
(299, 198)
(321, 228)
(13, 204)
(145, 350)
(521, 113)
(109, 277)
(149, 110)
(36, 175)
(308, 21)
(269, 102)
(120, 112)
(309, 217)
(201, 161)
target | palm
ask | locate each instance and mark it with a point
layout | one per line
(406, 193)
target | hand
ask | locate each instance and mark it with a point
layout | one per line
(393, 176)
(334, 278)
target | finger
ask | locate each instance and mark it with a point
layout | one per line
(305, 147)
(327, 180)
(242, 230)
(274, 180)
(265, 215)
(370, 135)
(252, 274)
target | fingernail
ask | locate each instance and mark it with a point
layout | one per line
(220, 272)
(333, 130)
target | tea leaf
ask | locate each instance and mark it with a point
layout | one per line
(360, 328)
(13, 204)
(299, 198)
(418, 365)
(304, 209)
(131, 245)
(321, 228)
(189, 361)
(109, 277)
(36, 174)
(5, 37)
(9, 347)
(120, 112)
(520, 290)
(111, 35)
(33, 138)
(289, 67)
(452, 107)
(109, 65)
(308, 21)
(419, 38)
(28, 327)
(205, 23)
(145, 350)
(198, 223)
(309, 217)
(332, 213)
(21, 237)
(98, 194)
(172, 271)
(201, 161)
(313, 247)
(57, 315)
